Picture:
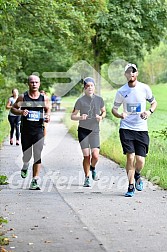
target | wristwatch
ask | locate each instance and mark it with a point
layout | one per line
(151, 111)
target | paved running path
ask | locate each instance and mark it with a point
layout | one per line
(64, 216)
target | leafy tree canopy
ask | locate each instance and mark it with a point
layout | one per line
(127, 27)
(47, 35)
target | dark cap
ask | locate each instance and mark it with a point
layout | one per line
(88, 79)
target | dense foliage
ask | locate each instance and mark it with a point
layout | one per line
(47, 36)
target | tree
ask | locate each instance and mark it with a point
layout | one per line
(52, 35)
(45, 35)
(154, 65)
(126, 28)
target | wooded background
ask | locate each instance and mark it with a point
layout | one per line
(50, 36)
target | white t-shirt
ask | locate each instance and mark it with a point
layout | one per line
(12, 101)
(134, 100)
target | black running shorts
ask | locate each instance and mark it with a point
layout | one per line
(134, 141)
(88, 139)
(32, 144)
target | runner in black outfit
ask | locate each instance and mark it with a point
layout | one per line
(33, 106)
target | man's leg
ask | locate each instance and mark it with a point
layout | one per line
(37, 150)
(141, 150)
(139, 164)
(36, 170)
(26, 142)
(130, 170)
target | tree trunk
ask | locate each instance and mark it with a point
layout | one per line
(97, 76)
(97, 65)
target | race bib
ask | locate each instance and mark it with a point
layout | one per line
(33, 116)
(134, 108)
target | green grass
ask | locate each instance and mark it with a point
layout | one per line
(4, 132)
(156, 161)
(4, 128)
(3, 180)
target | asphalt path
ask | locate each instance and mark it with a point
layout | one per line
(65, 216)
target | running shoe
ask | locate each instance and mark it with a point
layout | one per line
(139, 184)
(24, 173)
(87, 182)
(34, 185)
(94, 175)
(17, 142)
(130, 193)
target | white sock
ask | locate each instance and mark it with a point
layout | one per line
(36, 177)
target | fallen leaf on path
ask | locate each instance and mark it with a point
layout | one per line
(14, 236)
(3, 250)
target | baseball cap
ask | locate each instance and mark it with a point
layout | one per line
(88, 79)
(130, 65)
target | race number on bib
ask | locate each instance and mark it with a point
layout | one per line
(134, 108)
(33, 116)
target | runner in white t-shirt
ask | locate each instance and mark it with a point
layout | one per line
(14, 120)
(133, 125)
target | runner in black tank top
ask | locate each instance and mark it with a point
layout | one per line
(31, 106)
(34, 121)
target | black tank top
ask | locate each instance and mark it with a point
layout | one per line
(34, 122)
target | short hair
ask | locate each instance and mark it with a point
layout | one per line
(32, 75)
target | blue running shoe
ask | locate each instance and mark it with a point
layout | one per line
(94, 175)
(87, 182)
(139, 185)
(130, 193)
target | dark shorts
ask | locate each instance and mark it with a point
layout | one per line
(134, 142)
(88, 139)
(32, 143)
